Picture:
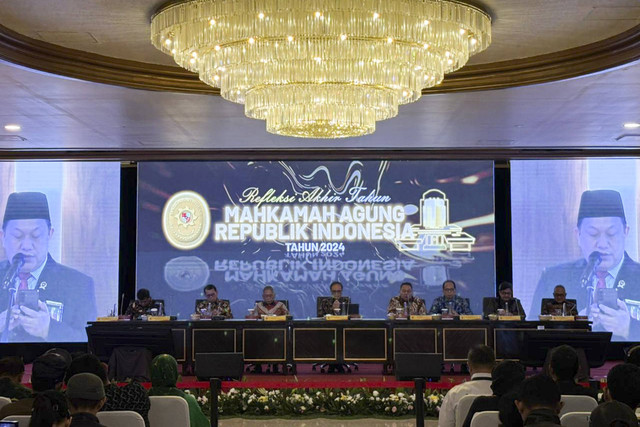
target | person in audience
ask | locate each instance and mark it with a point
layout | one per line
(269, 306)
(85, 393)
(141, 306)
(633, 356)
(601, 228)
(405, 303)
(613, 414)
(563, 368)
(450, 301)
(623, 385)
(130, 397)
(505, 378)
(65, 297)
(559, 306)
(328, 305)
(164, 377)
(505, 301)
(47, 373)
(539, 402)
(11, 372)
(50, 409)
(213, 306)
(480, 360)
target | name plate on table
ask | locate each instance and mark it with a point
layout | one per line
(274, 318)
(563, 318)
(423, 317)
(334, 317)
(159, 318)
(107, 319)
(471, 317)
(509, 318)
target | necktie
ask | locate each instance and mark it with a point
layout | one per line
(601, 275)
(23, 280)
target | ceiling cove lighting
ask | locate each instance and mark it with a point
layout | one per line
(12, 127)
(321, 68)
(631, 125)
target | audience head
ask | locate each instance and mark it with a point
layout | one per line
(87, 363)
(85, 392)
(406, 291)
(613, 414)
(538, 392)
(164, 371)
(449, 289)
(506, 376)
(623, 385)
(505, 290)
(211, 293)
(12, 367)
(481, 359)
(61, 352)
(633, 356)
(50, 409)
(564, 364)
(48, 372)
(508, 411)
(144, 297)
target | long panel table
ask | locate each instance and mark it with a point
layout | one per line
(319, 340)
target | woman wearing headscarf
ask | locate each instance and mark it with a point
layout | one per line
(164, 376)
(505, 378)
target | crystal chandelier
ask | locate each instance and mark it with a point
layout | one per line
(321, 68)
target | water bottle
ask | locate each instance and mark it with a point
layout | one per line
(343, 308)
(506, 308)
(160, 309)
(406, 309)
(564, 308)
(450, 307)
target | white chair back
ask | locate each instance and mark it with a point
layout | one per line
(485, 419)
(577, 404)
(4, 401)
(23, 420)
(168, 411)
(575, 419)
(120, 419)
(462, 409)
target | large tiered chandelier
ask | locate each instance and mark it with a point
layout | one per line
(321, 68)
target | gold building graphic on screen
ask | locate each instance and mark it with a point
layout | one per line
(435, 233)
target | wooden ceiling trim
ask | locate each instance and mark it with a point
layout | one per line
(615, 51)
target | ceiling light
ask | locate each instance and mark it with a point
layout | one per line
(631, 125)
(360, 79)
(12, 127)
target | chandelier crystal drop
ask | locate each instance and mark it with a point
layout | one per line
(321, 68)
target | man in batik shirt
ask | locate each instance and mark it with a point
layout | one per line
(213, 306)
(269, 306)
(450, 301)
(328, 305)
(405, 303)
(143, 305)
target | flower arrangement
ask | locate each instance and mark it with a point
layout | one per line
(320, 402)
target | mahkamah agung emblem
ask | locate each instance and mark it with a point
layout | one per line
(186, 220)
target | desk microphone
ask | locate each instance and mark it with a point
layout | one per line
(16, 264)
(121, 303)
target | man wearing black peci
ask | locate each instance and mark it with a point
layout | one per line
(63, 299)
(601, 232)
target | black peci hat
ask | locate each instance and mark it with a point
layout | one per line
(601, 203)
(26, 205)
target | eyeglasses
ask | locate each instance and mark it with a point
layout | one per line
(559, 295)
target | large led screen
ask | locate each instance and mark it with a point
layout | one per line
(575, 224)
(300, 225)
(59, 252)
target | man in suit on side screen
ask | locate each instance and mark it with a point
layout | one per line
(611, 278)
(62, 299)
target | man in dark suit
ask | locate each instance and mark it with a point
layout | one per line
(601, 228)
(65, 297)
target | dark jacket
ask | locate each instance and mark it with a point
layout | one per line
(627, 282)
(571, 388)
(481, 404)
(84, 419)
(542, 418)
(65, 285)
(12, 390)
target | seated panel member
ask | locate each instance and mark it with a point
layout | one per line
(214, 306)
(141, 306)
(555, 307)
(329, 304)
(505, 301)
(450, 301)
(269, 306)
(413, 304)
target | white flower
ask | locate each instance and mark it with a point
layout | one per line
(302, 409)
(266, 408)
(375, 393)
(204, 399)
(386, 408)
(233, 390)
(394, 409)
(400, 394)
(377, 399)
(188, 391)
